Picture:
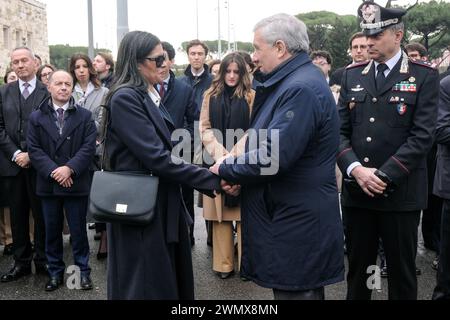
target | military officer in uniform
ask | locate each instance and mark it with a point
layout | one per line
(388, 109)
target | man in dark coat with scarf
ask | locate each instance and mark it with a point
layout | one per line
(292, 238)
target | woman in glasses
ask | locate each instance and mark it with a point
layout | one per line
(43, 73)
(152, 261)
(226, 106)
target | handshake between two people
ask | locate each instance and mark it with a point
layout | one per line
(227, 187)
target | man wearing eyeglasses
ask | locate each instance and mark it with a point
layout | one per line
(358, 52)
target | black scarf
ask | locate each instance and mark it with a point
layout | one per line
(227, 111)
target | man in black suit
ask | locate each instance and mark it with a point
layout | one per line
(17, 101)
(442, 189)
(388, 109)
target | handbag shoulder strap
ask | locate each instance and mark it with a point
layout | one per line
(105, 112)
(105, 163)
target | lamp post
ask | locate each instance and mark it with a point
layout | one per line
(229, 37)
(90, 30)
(196, 10)
(122, 20)
(219, 46)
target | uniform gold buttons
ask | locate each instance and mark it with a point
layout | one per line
(374, 100)
(372, 120)
(369, 139)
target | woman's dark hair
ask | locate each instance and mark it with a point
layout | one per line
(248, 60)
(133, 49)
(244, 85)
(92, 73)
(5, 78)
(41, 68)
(212, 63)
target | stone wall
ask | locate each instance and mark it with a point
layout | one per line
(22, 23)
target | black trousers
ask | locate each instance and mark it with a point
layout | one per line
(442, 290)
(188, 197)
(398, 231)
(431, 223)
(22, 197)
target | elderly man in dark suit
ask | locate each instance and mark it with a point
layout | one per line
(61, 143)
(17, 101)
(442, 189)
(388, 114)
(291, 229)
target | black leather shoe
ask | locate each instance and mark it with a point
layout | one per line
(41, 269)
(8, 250)
(54, 283)
(86, 283)
(225, 275)
(102, 255)
(16, 273)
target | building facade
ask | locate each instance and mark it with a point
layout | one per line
(22, 23)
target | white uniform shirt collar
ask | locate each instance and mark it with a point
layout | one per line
(390, 63)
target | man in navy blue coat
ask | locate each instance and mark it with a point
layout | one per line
(292, 238)
(61, 143)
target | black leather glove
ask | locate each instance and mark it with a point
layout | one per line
(390, 184)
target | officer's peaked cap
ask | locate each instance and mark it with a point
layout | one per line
(375, 18)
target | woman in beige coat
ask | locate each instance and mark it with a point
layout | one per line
(226, 106)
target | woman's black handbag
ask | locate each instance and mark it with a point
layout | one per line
(122, 197)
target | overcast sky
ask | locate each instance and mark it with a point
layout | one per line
(175, 20)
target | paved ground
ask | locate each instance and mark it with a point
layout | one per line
(207, 285)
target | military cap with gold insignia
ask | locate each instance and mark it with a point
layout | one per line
(375, 18)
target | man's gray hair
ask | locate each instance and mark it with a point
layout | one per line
(24, 48)
(286, 28)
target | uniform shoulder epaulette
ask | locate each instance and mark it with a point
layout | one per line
(423, 63)
(358, 64)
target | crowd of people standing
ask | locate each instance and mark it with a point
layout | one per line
(319, 164)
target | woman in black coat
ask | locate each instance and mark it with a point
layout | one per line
(151, 262)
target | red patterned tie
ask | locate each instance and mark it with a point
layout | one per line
(162, 90)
